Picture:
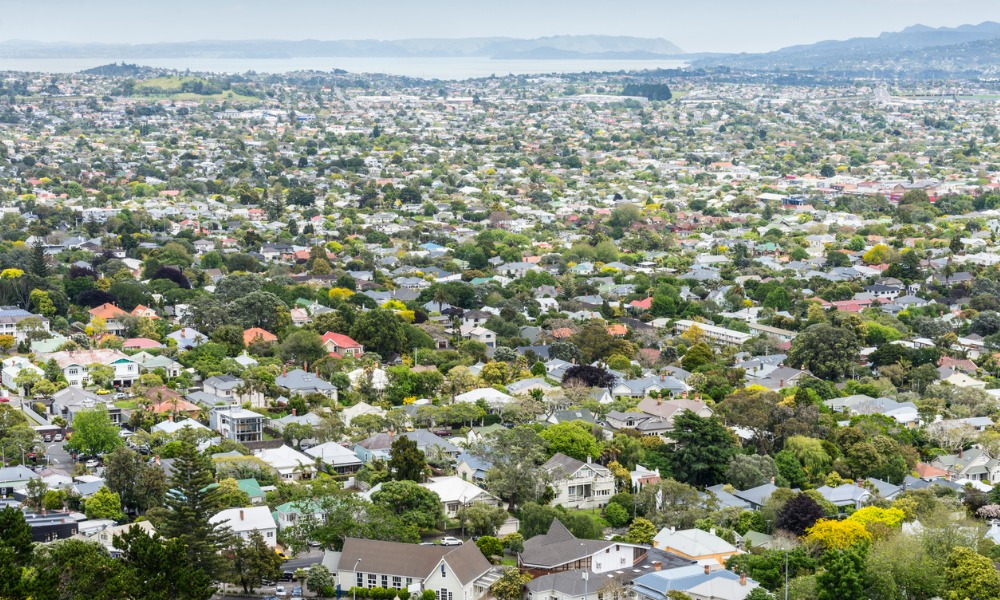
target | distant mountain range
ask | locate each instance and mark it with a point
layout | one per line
(561, 47)
(917, 47)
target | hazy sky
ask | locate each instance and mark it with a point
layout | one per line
(694, 25)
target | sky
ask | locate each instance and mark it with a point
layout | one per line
(694, 25)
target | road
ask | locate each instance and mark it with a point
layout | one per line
(300, 561)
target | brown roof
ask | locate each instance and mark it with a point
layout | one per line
(412, 560)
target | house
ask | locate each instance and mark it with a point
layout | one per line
(301, 382)
(112, 316)
(75, 365)
(579, 484)
(11, 322)
(336, 458)
(698, 582)
(379, 445)
(290, 464)
(457, 493)
(361, 408)
(451, 572)
(479, 334)
(144, 312)
(292, 513)
(187, 338)
(342, 345)
(846, 496)
(256, 335)
(471, 468)
(244, 521)
(236, 423)
(973, 464)
(233, 388)
(640, 388)
(695, 544)
(558, 550)
(11, 367)
(148, 363)
(68, 402)
(713, 333)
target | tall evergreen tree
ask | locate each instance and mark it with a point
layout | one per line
(161, 570)
(15, 551)
(703, 449)
(192, 504)
(37, 263)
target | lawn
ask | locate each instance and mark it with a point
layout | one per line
(127, 404)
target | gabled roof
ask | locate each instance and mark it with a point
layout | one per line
(558, 546)
(411, 560)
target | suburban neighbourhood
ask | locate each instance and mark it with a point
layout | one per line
(655, 335)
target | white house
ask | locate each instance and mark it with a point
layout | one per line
(75, 364)
(456, 493)
(290, 464)
(579, 484)
(11, 367)
(244, 521)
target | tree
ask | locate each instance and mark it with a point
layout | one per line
(843, 575)
(251, 561)
(160, 568)
(836, 258)
(230, 494)
(320, 580)
(101, 375)
(641, 531)
(616, 515)
(193, 502)
(588, 376)
(93, 432)
(829, 352)
(104, 504)
(302, 346)
(510, 584)
(969, 575)
(702, 450)
(899, 568)
(489, 546)
(515, 475)
(406, 461)
(38, 263)
(837, 535)
(482, 519)
(413, 503)
(140, 485)
(698, 355)
(15, 551)
(380, 331)
(74, 568)
(747, 472)
(573, 439)
(799, 514)
(230, 336)
(294, 433)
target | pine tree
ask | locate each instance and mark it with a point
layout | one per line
(37, 263)
(192, 505)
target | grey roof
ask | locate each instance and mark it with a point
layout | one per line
(412, 560)
(302, 381)
(558, 546)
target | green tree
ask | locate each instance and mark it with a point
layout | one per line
(698, 355)
(702, 450)
(380, 331)
(160, 568)
(192, 503)
(300, 346)
(101, 375)
(970, 576)
(251, 561)
(413, 503)
(573, 439)
(406, 461)
(320, 580)
(230, 494)
(616, 515)
(140, 485)
(510, 584)
(93, 432)
(73, 568)
(515, 475)
(641, 531)
(230, 336)
(843, 575)
(38, 263)
(104, 504)
(489, 546)
(15, 551)
(749, 471)
(828, 352)
(482, 519)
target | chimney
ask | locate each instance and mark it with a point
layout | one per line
(961, 452)
(43, 512)
(860, 484)
(706, 570)
(588, 459)
(241, 518)
(781, 383)
(743, 578)
(157, 460)
(294, 411)
(663, 377)
(657, 565)
(284, 370)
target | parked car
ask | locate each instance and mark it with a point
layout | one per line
(47, 437)
(92, 463)
(297, 590)
(4, 399)
(58, 437)
(280, 590)
(451, 541)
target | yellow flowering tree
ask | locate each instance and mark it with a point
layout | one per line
(837, 535)
(890, 517)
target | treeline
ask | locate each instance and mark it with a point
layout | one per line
(650, 91)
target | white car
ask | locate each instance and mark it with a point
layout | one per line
(450, 541)
(280, 590)
(91, 463)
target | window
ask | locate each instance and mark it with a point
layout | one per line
(372, 580)
(397, 581)
(409, 581)
(385, 581)
(270, 534)
(443, 573)
(360, 579)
